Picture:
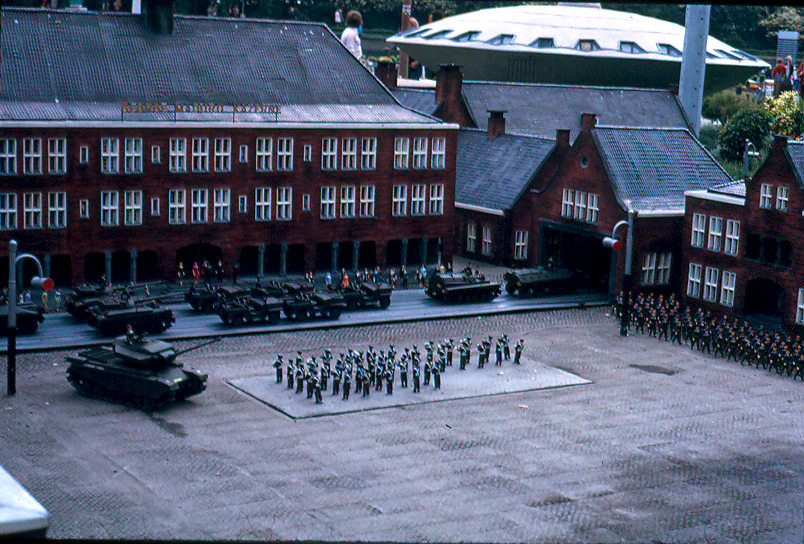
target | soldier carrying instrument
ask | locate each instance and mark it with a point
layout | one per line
(278, 364)
(520, 345)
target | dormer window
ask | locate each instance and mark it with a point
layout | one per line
(413, 33)
(728, 55)
(502, 39)
(587, 45)
(543, 43)
(667, 49)
(467, 36)
(436, 35)
(630, 47)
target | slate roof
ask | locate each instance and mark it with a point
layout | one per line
(795, 150)
(60, 64)
(734, 188)
(541, 109)
(493, 173)
(650, 169)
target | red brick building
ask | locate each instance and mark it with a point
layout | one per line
(741, 254)
(196, 139)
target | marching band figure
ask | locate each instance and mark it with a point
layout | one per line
(520, 344)
(278, 364)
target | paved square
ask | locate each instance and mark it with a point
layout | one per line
(455, 384)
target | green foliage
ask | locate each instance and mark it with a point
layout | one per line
(788, 118)
(708, 137)
(736, 169)
(722, 105)
(783, 18)
(752, 123)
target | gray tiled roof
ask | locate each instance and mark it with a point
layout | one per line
(60, 64)
(795, 150)
(650, 169)
(493, 173)
(734, 188)
(541, 109)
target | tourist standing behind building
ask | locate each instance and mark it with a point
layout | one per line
(351, 34)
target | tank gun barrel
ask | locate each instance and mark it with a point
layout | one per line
(201, 345)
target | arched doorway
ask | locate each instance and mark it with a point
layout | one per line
(198, 253)
(94, 267)
(764, 297)
(148, 268)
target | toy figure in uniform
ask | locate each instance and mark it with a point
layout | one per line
(366, 385)
(336, 376)
(347, 383)
(391, 357)
(449, 346)
(403, 368)
(480, 351)
(520, 345)
(428, 368)
(299, 378)
(389, 379)
(506, 347)
(416, 372)
(290, 373)
(312, 370)
(316, 387)
(498, 353)
(278, 364)
(436, 377)
(379, 371)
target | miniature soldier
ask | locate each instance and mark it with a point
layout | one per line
(316, 387)
(498, 353)
(366, 384)
(312, 370)
(403, 368)
(278, 363)
(326, 371)
(371, 360)
(436, 377)
(290, 374)
(391, 356)
(416, 355)
(389, 379)
(520, 344)
(359, 376)
(379, 371)
(428, 368)
(336, 376)
(480, 347)
(441, 361)
(299, 379)
(347, 383)
(416, 385)
(506, 347)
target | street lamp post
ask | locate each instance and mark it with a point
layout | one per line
(749, 153)
(614, 243)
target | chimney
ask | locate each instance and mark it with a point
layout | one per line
(588, 121)
(449, 80)
(563, 138)
(496, 123)
(386, 72)
(158, 15)
(780, 142)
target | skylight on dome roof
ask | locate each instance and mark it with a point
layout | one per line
(502, 39)
(587, 45)
(630, 47)
(668, 49)
(467, 36)
(436, 35)
(728, 55)
(543, 43)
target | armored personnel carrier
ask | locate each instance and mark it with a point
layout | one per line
(306, 305)
(250, 309)
(461, 287)
(366, 293)
(29, 316)
(148, 317)
(529, 282)
(135, 371)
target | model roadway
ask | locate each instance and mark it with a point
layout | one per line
(60, 330)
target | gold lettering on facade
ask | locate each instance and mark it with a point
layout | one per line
(146, 107)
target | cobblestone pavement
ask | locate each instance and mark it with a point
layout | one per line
(665, 445)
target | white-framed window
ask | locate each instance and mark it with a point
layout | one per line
(698, 230)
(401, 153)
(694, 281)
(284, 203)
(727, 285)
(715, 233)
(132, 155)
(732, 237)
(305, 202)
(439, 153)
(349, 154)
(200, 155)
(177, 206)
(32, 210)
(57, 156)
(284, 154)
(710, 284)
(307, 152)
(110, 155)
(242, 204)
(329, 154)
(420, 153)
(262, 204)
(765, 195)
(580, 205)
(418, 198)
(221, 205)
(486, 247)
(663, 268)
(782, 196)
(8, 156)
(8, 211)
(649, 269)
(156, 207)
(592, 208)
(132, 207)
(800, 307)
(223, 154)
(328, 202)
(399, 202)
(83, 208)
(156, 154)
(437, 199)
(521, 245)
(243, 154)
(32, 156)
(368, 154)
(199, 206)
(471, 237)
(178, 155)
(367, 201)
(348, 201)
(83, 154)
(567, 202)
(110, 208)
(265, 154)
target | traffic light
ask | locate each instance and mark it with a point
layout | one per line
(46, 284)
(613, 243)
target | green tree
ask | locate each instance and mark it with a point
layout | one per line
(788, 118)
(722, 105)
(783, 18)
(752, 123)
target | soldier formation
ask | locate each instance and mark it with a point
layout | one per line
(665, 318)
(378, 369)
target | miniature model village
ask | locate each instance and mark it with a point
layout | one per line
(377, 369)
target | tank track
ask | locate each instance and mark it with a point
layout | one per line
(97, 391)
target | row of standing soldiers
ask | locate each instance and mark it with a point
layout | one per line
(665, 317)
(377, 369)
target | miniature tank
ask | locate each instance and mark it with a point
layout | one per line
(149, 317)
(208, 300)
(29, 316)
(304, 306)
(461, 287)
(135, 371)
(365, 293)
(237, 311)
(529, 282)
